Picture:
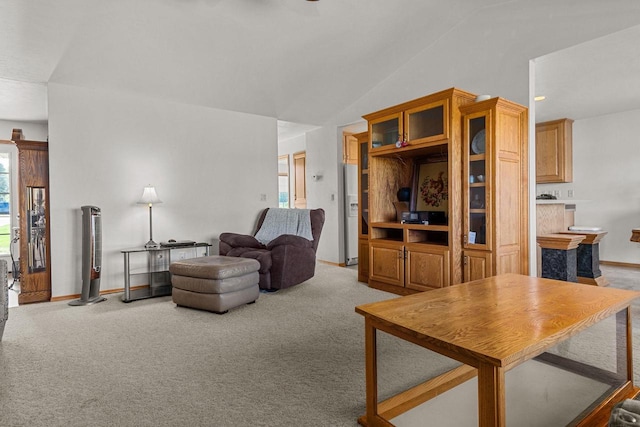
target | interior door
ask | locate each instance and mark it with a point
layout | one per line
(300, 170)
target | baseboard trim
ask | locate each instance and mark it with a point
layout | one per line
(620, 264)
(331, 263)
(106, 292)
(118, 290)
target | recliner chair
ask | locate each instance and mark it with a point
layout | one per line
(285, 261)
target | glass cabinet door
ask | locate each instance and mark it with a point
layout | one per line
(364, 188)
(386, 131)
(426, 123)
(476, 182)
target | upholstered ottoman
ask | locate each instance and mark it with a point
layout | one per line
(215, 283)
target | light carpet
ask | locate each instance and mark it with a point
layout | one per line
(295, 358)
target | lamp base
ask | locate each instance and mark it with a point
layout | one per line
(151, 244)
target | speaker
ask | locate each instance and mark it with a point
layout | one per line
(91, 256)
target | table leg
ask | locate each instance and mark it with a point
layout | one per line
(624, 344)
(127, 282)
(371, 418)
(371, 366)
(491, 402)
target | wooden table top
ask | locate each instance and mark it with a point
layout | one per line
(502, 320)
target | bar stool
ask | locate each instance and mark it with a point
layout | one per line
(559, 256)
(589, 257)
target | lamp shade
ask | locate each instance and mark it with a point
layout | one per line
(149, 196)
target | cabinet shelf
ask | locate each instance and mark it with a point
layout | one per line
(389, 224)
(477, 157)
(427, 243)
(427, 227)
(422, 243)
(400, 225)
(478, 184)
(387, 239)
(412, 150)
(477, 211)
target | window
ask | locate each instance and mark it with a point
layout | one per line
(5, 203)
(283, 181)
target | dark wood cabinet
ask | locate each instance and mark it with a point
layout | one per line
(35, 236)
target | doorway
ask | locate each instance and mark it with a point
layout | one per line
(283, 181)
(300, 182)
(9, 249)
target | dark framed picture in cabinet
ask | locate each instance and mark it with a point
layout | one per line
(431, 186)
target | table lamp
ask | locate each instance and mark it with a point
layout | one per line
(150, 197)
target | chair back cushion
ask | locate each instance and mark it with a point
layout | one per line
(284, 222)
(317, 222)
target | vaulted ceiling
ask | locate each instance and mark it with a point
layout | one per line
(294, 60)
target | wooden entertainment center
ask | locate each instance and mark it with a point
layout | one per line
(466, 163)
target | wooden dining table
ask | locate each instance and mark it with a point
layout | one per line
(491, 326)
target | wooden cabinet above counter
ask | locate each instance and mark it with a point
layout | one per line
(554, 151)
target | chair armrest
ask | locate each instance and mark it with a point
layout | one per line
(289, 239)
(240, 240)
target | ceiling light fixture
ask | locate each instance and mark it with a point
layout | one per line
(540, 98)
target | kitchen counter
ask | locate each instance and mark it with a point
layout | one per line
(554, 216)
(559, 201)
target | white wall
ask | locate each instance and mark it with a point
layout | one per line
(209, 168)
(606, 182)
(30, 131)
(323, 158)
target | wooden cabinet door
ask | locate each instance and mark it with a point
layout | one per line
(477, 265)
(387, 262)
(426, 123)
(384, 132)
(554, 152)
(363, 260)
(427, 267)
(350, 149)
